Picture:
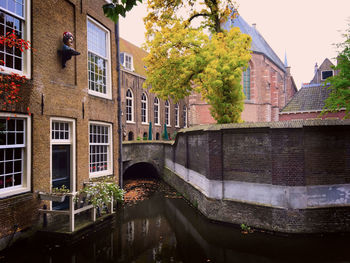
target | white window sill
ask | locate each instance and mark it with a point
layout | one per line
(157, 124)
(130, 122)
(16, 191)
(177, 126)
(100, 174)
(9, 71)
(144, 123)
(100, 95)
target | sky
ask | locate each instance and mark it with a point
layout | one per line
(306, 30)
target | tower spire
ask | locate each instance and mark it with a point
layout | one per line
(285, 59)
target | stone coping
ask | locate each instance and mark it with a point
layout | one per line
(272, 125)
(148, 142)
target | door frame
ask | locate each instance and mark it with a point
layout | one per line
(72, 142)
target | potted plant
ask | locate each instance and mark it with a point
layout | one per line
(58, 194)
(101, 193)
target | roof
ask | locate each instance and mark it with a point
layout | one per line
(137, 53)
(326, 65)
(259, 44)
(308, 98)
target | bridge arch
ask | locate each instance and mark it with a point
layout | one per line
(140, 170)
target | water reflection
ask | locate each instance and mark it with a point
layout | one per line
(163, 229)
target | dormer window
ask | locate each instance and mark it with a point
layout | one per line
(127, 61)
(326, 74)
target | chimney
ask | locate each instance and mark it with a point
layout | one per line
(254, 25)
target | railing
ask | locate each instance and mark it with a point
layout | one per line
(72, 212)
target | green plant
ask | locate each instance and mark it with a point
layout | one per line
(145, 138)
(99, 193)
(246, 229)
(60, 190)
(138, 138)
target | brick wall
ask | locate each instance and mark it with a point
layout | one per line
(270, 87)
(288, 154)
(311, 115)
(135, 83)
(57, 92)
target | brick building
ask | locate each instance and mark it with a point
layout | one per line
(309, 101)
(267, 83)
(139, 106)
(70, 136)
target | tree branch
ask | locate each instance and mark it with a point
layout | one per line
(196, 15)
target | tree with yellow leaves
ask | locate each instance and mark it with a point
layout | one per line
(189, 51)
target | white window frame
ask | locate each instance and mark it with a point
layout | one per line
(108, 94)
(26, 29)
(132, 106)
(177, 115)
(144, 103)
(131, 68)
(156, 112)
(327, 70)
(185, 116)
(71, 141)
(26, 169)
(167, 113)
(109, 170)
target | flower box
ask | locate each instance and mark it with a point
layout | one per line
(52, 197)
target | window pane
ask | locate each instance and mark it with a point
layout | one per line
(11, 159)
(96, 39)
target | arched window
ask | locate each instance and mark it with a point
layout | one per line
(157, 136)
(144, 118)
(145, 137)
(167, 113)
(131, 136)
(177, 117)
(246, 83)
(185, 116)
(129, 106)
(156, 111)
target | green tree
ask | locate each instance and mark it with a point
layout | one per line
(339, 97)
(190, 51)
(114, 9)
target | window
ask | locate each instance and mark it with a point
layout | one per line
(100, 149)
(60, 131)
(99, 69)
(185, 116)
(326, 74)
(130, 136)
(144, 116)
(167, 113)
(246, 83)
(156, 111)
(157, 136)
(127, 61)
(15, 15)
(129, 106)
(14, 155)
(177, 119)
(63, 153)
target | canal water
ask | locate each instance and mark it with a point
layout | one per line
(157, 225)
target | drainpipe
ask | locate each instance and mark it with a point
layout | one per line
(120, 140)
